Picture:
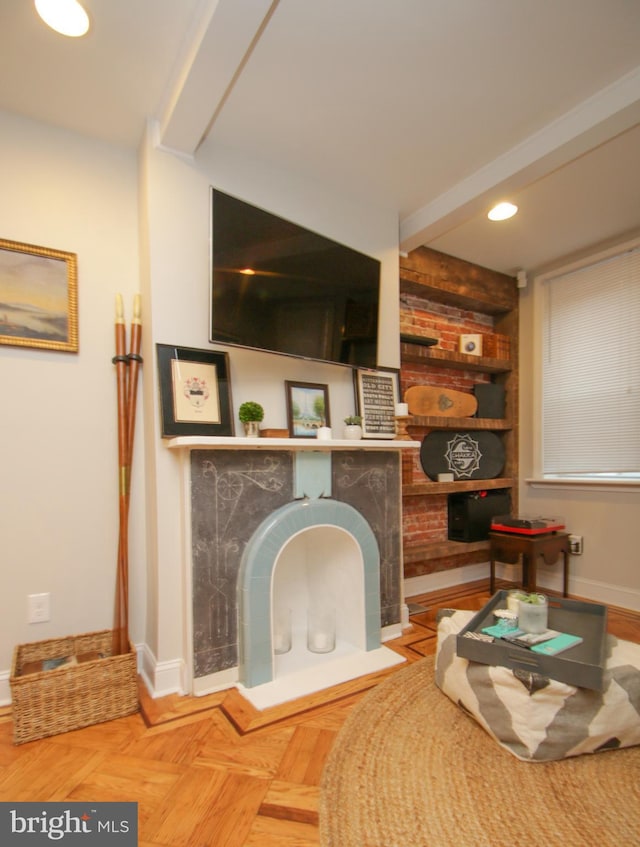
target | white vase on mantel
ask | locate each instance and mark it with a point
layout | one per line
(352, 432)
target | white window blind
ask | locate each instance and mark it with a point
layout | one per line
(591, 375)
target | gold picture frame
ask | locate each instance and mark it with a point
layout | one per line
(38, 297)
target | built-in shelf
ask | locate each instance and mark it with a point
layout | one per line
(441, 550)
(419, 489)
(428, 280)
(460, 285)
(434, 356)
(440, 422)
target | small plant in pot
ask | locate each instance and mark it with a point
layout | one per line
(353, 427)
(250, 414)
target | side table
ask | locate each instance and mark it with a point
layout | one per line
(508, 547)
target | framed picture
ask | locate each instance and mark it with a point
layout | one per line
(195, 391)
(38, 297)
(307, 408)
(376, 397)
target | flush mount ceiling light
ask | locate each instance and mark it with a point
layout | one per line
(65, 16)
(502, 212)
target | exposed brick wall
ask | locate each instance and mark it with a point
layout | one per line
(446, 323)
(424, 519)
(412, 569)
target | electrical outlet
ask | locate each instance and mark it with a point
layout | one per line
(39, 606)
(575, 542)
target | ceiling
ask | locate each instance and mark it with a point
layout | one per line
(436, 108)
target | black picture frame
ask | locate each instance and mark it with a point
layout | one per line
(195, 392)
(307, 408)
(377, 394)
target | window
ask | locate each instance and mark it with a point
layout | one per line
(591, 369)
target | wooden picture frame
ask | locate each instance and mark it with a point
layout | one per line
(377, 394)
(307, 408)
(195, 391)
(38, 297)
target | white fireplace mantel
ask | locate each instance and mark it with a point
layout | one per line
(199, 442)
(214, 485)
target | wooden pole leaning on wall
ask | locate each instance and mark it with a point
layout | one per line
(127, 370)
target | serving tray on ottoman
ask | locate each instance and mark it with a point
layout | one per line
(582, 665)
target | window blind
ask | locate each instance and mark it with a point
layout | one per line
(591, 369)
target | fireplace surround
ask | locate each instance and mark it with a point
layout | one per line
(265, 514)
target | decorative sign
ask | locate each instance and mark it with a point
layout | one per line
(377, 395)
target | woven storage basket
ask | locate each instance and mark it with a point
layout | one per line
(70, 697)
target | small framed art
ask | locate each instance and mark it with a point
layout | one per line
(195, 391)
(307, 408)
(376, 398)
(38, 297)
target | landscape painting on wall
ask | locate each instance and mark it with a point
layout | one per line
(38, 297)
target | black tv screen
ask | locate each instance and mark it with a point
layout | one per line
(277, 287)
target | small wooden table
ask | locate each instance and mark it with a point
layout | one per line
(508, 547)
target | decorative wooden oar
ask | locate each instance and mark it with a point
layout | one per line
(127, 369)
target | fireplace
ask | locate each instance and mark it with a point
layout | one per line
(288, 524)
(327, 557)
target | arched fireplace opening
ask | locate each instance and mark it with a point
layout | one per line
(308, 554)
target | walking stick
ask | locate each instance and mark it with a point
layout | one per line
(135, 360)
(120, 628)
(127, 370)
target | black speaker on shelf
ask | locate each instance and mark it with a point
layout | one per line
(490, 399)
(470, 513)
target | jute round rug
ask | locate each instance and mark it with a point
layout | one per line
(410, 769)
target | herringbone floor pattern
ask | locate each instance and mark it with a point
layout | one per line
(212, 771)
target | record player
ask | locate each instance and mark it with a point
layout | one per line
(526, 525)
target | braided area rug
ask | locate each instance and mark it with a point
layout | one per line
(409, 768)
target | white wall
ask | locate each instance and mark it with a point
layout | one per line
(608, 520)
(59, 498)
(58, 436)
(175, 211)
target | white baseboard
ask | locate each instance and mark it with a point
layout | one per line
(416, 585)
(5, 690)
(161, 678)
(548, 577)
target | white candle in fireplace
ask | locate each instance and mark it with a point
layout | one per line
(320, 640)
(402, 410)
(321, 634)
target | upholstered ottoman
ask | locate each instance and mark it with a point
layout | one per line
(536, 718)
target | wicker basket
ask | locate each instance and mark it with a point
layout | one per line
(72, 696)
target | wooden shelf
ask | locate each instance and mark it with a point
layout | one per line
(442, 549)
(435, 276)
(428, 280)
(419, 489)
(434, 356)
(439, 422)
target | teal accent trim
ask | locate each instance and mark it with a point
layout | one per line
(312, 475)
(256, 573)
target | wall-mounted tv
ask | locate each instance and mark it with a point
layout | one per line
(277, 287)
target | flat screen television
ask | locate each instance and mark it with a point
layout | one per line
(277, 287)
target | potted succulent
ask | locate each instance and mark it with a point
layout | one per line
(353, 427)
(250, 414)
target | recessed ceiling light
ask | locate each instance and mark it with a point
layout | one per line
(502, 211)
(65, 16)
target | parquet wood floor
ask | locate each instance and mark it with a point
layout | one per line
(212, 771)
